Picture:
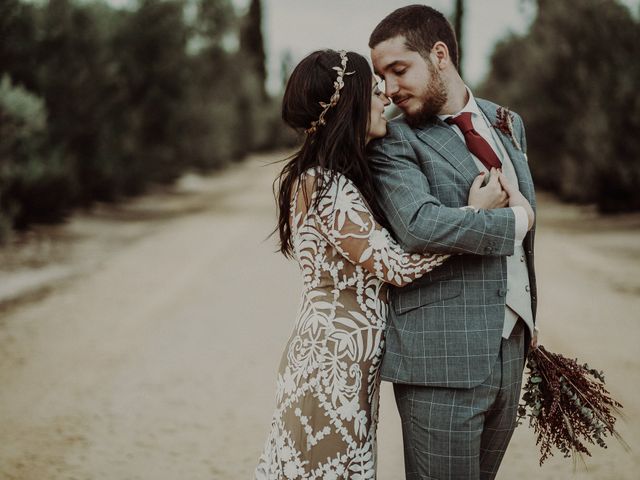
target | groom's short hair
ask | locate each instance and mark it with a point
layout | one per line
(421, 26)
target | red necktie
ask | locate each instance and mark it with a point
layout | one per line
(475, 143)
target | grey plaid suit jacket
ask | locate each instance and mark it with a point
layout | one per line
(445, 329)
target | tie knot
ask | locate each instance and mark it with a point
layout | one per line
(462, 121)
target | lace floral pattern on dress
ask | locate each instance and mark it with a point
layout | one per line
(324, 426)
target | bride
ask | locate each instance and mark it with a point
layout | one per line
(324, 425)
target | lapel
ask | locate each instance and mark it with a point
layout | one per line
(518, 159)
(441, 137)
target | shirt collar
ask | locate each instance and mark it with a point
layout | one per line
(471, 106)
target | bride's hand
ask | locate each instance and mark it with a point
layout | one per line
(492, 195)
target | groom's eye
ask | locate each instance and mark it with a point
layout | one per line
(400, 71)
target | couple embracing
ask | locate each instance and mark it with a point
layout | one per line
(415, 243)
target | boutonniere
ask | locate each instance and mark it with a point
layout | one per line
(504, 123)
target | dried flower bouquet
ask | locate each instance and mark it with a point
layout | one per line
(567, 405)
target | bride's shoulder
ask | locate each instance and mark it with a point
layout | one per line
(333, 180)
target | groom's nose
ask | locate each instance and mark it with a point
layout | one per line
(390, 87)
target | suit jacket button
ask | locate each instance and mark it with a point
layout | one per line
(502, 292)
(522, 258)
(527, 288)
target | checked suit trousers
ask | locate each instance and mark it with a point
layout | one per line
(475, 423)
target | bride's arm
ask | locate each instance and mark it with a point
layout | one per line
(347, 223)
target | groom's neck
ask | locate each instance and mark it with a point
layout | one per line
(457, 94)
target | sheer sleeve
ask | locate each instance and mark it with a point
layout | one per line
(347, 223)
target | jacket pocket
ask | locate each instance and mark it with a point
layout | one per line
(407, 300)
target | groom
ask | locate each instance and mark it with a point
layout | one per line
(455, 343)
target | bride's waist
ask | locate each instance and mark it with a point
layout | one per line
(332, 296)
(342, 289)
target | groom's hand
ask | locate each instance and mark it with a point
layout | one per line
(492, 195)
(516, 199)
(534, 338)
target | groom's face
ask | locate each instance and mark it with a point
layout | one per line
(413, 83)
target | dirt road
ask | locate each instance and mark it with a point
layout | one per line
(147, 347)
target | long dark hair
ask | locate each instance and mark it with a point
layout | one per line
(339, 145)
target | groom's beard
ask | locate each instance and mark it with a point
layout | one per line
(433, 99)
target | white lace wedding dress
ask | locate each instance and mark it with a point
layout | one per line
(324, 426)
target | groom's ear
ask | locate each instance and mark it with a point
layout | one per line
(440, 55)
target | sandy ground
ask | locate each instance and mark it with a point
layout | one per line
(141, 341)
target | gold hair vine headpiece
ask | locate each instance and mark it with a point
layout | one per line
(338, 84)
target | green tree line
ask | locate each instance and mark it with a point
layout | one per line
(574, 78)
(97, 103)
